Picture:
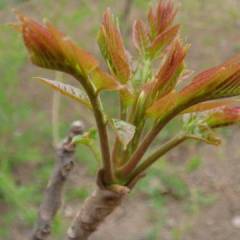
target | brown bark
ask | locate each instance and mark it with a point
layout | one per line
(95, 209)
(53, 194)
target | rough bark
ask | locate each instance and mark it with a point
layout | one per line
(53, 195)
(95, 209)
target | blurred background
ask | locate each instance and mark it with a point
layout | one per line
(192, 193)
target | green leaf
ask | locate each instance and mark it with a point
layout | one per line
(86, 138)
(68, 90)
(197, 129)
(124, 131)
(104, 81)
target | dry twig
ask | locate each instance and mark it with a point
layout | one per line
(53, 196)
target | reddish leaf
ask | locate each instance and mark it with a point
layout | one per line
(224, 117)
(164, 105)
(162, 18)
(151, 22)
(166, 79)
(105, 81)
(112, 48)
(163, 40)
(49, 48)
(165, 14)
(211, 105)
(140, 36)
(218, 82)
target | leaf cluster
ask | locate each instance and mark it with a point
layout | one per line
(149, 96)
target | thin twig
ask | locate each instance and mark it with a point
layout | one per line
(53, 195)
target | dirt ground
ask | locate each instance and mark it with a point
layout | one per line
(219, 175)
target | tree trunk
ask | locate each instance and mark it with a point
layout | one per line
(95, 209)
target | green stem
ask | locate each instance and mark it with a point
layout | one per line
(102, 129)
(140, 151)
(158, 153)
(149, 138)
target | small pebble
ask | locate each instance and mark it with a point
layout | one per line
(236, 221)
(68, 211)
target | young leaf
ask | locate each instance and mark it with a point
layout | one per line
(223, 117)
(211, 105)
(124, 131)
(86, 138)
(161, 18)
(68, 90)
(164, 105)
(140, 36)
(196, 128)
(127, 96)
(162, 41)
(104, 81)
(49, 48)
(167, 77)
(215, 83)
(112, 48)
(205, 134)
